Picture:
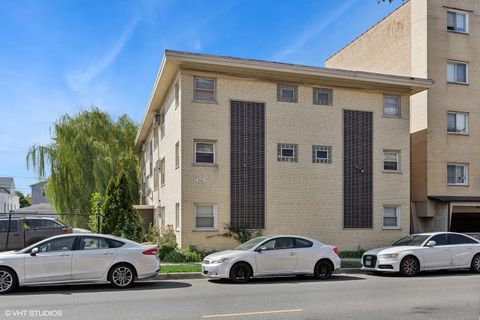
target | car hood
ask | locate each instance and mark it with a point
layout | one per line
(391, 249)
(224, 254)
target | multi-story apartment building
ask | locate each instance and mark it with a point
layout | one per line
(438, 40)
(277, 147)
(9, 201)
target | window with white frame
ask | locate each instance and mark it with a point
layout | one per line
(156, 175)
(177, 94)
(150, 148)
(204, 152)
(204, 89)
(323, 97)
(391, 160)
(177, 216)
(457, 21)
(155, 137)
(204, 216)
(162, 172)
(391, 217)
(321, 154)
(457, 72)
(457, 122)
(457, 174)
(287, 92)
(177, 155)
(162, 125)
(391, 106)
(287, 152)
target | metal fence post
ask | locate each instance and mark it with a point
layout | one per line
(8, 229)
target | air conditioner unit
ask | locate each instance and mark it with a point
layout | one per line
(157, 119)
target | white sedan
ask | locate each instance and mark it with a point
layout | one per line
(78, 258)
(425, 251)
(273, 255)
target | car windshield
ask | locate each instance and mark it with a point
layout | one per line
(250, 243)
(413, 240)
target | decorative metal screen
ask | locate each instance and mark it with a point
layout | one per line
(247, 156)
(357, 168)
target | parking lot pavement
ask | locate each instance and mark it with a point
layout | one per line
(439, 295)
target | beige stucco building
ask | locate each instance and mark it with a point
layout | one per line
(437, 40)
(278, 147)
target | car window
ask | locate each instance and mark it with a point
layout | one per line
(59, 244)
(459, 239)
(440, 239)
(412, 240)
(13, 225)
(279, 243)
(33, 223)
(51, 224)
(302, 243)
(92, 243)
(114, 243)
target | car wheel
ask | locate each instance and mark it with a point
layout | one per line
(475, 267)
(122, 276)
(240, 272)
(409, 266)
(8, 280)
(323, 269)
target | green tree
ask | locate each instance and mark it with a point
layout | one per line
(25, 200)
(94, 223)
(119, 216)
(86, 150)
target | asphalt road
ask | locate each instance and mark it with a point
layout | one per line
(441, 295)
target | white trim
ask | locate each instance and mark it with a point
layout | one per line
(195, 89)
(467, 18)
(397, 212)
(397, 154)
(456, 164)
(214, 152)
(466, 122)
(455, 63)
(205, 204)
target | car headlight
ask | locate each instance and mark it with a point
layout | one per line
(388, 256)
(219, 260)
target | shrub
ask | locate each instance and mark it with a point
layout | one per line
(165, 249)
(175, 256)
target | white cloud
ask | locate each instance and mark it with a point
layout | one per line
(79, 79)
(312, 30)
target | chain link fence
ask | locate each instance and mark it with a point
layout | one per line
(20, 230)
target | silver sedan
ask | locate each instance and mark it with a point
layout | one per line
(273, 255)
(78, 258)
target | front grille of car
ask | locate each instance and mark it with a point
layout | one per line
(369, 261)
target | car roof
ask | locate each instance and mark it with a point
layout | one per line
(270, 236)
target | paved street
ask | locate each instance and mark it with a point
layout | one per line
(441, 295)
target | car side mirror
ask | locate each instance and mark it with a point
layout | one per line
(261, 249)
(431, 243)
(34, 252)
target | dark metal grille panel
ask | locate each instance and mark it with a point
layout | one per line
(247, 157)
(357, 169)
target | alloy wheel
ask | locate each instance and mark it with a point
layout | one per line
(122, 276)
(323, 270)
(476, 263)
(6, 281)
(410, 266)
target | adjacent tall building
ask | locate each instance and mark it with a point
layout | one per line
(282, 148)
(438, 40)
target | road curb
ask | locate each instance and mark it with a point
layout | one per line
(198, 275)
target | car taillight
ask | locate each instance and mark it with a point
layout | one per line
(150, 252)
(335, 249)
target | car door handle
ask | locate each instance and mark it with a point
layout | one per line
(105, 253)
(63, 255)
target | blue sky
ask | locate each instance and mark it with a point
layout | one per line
(61, 56)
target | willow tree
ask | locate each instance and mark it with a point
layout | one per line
(86, 151)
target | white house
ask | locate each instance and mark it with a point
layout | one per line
(8, 198)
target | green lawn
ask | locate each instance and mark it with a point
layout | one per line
(172, 268)
(192, 267)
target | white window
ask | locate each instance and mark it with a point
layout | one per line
(162, 172)
(177, 155)
(177, 94)
(457, 122)
(287, 93)
(457, 21)
(323, 97)
(177, 216)
(204, 216)
(391, 161)
(156, 174)
(391, 106)
(204, 152)
(321, 154)
(205, 89)
(287, 152)
(457, 72)
(391, 217)
(162, 218)
(150, 148)
(457, 174)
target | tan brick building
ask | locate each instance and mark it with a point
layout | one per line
(283, 148)
(437, 40)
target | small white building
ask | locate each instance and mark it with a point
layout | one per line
(8, 198)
